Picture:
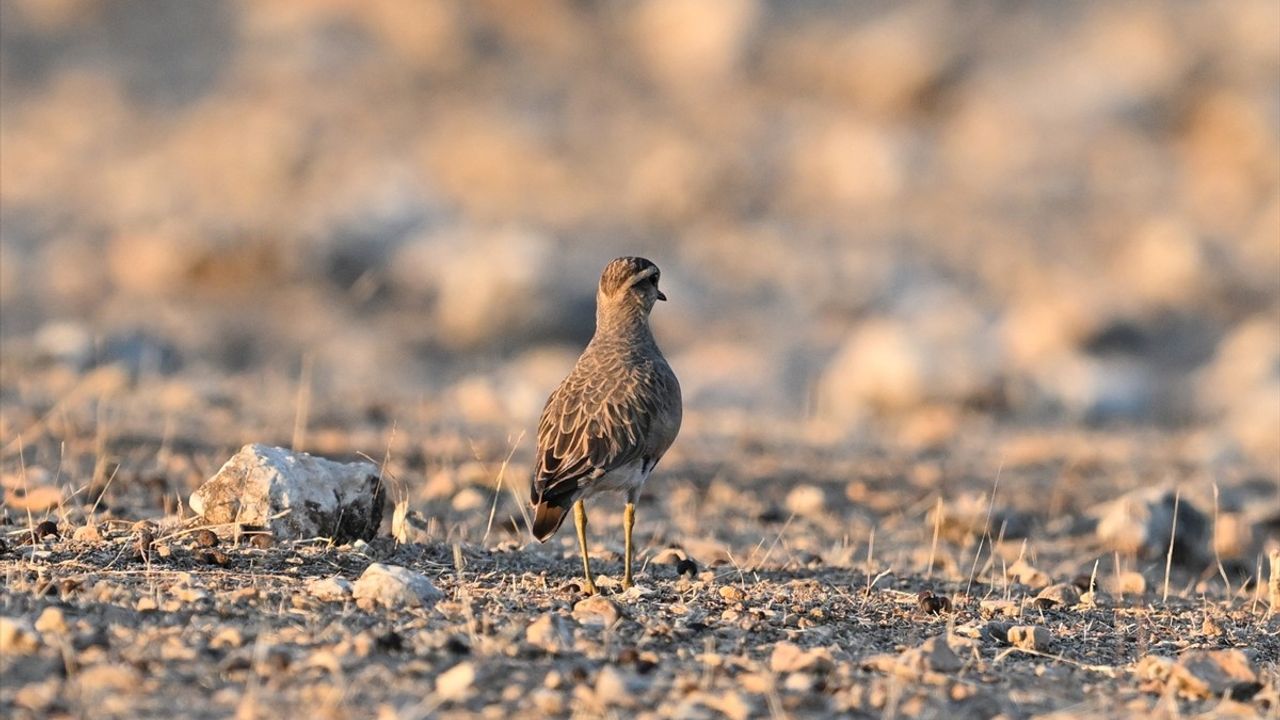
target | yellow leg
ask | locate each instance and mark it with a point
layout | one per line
(580, 519)
(629, 521)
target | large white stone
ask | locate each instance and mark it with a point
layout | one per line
(395, 586)
(294, 494)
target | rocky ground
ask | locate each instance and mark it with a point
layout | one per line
(970, 572)
(974, 307)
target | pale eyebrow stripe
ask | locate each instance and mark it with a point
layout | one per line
(642, 275)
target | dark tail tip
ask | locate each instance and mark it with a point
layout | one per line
(547, 519)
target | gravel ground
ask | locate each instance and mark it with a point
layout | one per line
(817, 587)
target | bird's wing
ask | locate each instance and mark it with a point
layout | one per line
(597, 421)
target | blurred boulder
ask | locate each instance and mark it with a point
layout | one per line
(494, 287)
(695, 46)
(1141, 523)
(394, 586)
(293, 494)
(1241, 385)
(937, 348)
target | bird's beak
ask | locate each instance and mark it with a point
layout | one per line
(662, 295)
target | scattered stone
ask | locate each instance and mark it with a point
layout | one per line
(228, 637)
(35, 500)
(791, 658)
(1141, 523)
(1126, 583)
(806, 501)
(146, 604)
(330, 589)
(612, 688)
(88, 534)
(1029, 637)
(456, 682)
(551, 633)
(206, 538)
(928, 662)
(1022, 571)
(51, 622)
(17, 637)
(394, 586)
(548, 702)
(295, 495)
(408, 526)
(968, 515)
(1061, 595)
(994, 607)
(597, 610)
(732, 593)
(1202, 674)
(468, 499)
(215, 557)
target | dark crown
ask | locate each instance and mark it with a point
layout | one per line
(623, 272)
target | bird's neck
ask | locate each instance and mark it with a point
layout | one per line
(624, 321)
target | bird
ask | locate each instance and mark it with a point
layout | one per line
(610, 421)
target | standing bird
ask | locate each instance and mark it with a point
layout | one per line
(610, 421)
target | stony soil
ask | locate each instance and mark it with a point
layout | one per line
(804, 599)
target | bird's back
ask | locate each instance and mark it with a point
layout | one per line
(619, 407)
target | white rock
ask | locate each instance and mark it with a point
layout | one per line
(395, 586)
(456, 682)
(1141, 523)
(806, 501)
(330, 589)
(17, 637)
(295, 495)
(612, 688)
(550, 632)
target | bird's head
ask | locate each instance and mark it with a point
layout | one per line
(629, 282)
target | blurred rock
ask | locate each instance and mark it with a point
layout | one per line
(1030, 637)
(692, 47)
(330, 589)
(1242, 385)
(806, 501)
(18, 637)
(393, 586)
(499, 286)
(937, 655)
(597, 610)
(456, 682)
(789, 658)
(1141, 524)
(1061, 596)
(296, 495)
(551, 633)
(939, 347)
(1204, 674)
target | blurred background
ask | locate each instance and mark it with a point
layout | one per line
(867, 215)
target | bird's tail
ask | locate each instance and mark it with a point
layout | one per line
(548, 516)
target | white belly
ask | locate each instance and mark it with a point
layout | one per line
(628, 478)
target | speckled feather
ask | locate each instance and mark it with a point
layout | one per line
(619, 409)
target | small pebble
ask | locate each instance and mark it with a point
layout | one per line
(215, 557)
(731, 593)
